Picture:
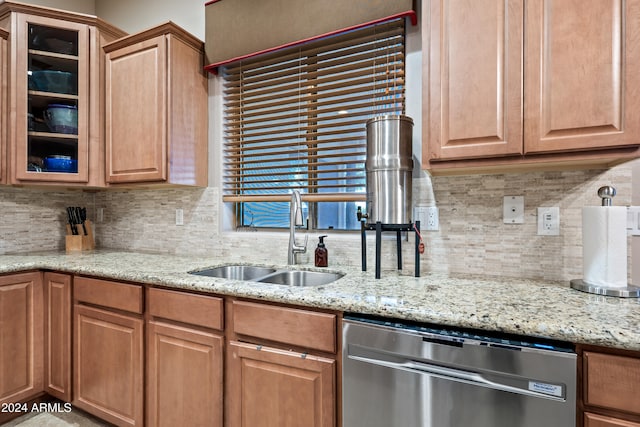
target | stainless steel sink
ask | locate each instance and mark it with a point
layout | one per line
(270, 275)
(236, 272)
(301, 278)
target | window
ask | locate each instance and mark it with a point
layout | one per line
(296, 119)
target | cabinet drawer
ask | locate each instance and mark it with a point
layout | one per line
(612, 381)
(120, 296)
(302, 328)
(200, 310)
(593, 420)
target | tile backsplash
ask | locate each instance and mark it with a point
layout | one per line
(34, 219)
(472, 237)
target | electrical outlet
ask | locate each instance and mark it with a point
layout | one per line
(100, 215)
(549, 221)
(428, 217)
(433, 219)
(513, 210)
(179, 217)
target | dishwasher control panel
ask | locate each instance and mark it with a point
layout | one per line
(507, 341)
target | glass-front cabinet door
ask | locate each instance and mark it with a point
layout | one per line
(51, 134)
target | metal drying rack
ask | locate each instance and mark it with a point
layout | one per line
(398, 228)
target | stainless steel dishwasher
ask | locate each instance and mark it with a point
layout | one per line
(411, 375)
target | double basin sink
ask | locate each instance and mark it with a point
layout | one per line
(270, 275)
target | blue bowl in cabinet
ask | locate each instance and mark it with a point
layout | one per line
(60, 164)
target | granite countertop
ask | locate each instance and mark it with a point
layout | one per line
(525, 307)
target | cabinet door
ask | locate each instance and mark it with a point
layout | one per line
(275, 388)
(612, 381)
(49, 122)
(184, 376)
(593, 420)
(108, 369)
(57, 335)
(581, 74)
(136, 127)
(473, 78)
(20, 337)
(3, 107)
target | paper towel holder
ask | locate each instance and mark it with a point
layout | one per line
(606, 193)
(628, 292)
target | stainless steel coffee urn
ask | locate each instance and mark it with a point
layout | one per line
(389, 166)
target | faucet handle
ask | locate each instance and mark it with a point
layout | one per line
(301, 248)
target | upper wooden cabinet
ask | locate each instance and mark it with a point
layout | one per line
(156, 108)
(55, 105)
(473, 56)
(513, 83)
(581, 74)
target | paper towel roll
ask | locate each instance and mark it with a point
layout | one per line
(604, 246)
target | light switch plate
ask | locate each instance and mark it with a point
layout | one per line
(179, 217)
(633, 220)
(513, 210)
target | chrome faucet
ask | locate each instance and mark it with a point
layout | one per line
(295, 219)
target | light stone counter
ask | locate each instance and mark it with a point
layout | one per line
(525, 307)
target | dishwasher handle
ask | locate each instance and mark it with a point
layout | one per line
(458, 375)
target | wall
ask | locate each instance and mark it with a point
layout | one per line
(81, 6)
(471, 239)
(133, 16)
(34, 220)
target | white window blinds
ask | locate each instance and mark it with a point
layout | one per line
(296, 119)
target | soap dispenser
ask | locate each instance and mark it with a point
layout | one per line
(322, 254)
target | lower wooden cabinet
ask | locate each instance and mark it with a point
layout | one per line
(185, 352)
(3, 105)
(108, 371)
(281, 366)
(21, 346)
(612, 381)
(108, 357)
(57, 335)
(611, 388)
(269, 387)
(184, 376)
(593, 420)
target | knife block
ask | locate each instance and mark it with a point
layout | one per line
(80, 242)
